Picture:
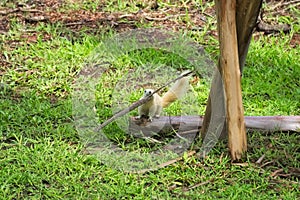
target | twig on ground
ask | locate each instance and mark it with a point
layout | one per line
(189, 132)
(30, 10)
(260, 159)
(267, 163)
(125, 16)
(6, 12)
(221, 157)
(290, 2)
(282, 4)
(276, 172)
(165, 164)
(148, 17)
(241, 164)
(37, 18)
(152, 140)
(278, 8)
(267, 28)
(75, 23)
(186, 189)
(279, 4)
(176, 133)
(163, 18)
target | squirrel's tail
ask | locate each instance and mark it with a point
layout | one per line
(177, 91)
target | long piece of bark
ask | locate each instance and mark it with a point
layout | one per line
(192, 123)
(247, 12)
(230, 72)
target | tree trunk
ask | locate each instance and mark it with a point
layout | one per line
(230, 71)
(246, 14)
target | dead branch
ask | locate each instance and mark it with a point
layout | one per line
(170, 162)
(260, 159)
(186, 189)
(75, 23)
(266, 163)
(244, 164)
(189, 125)
(37, 18)
(30, 10)
(267, 28)
(283, 4)
(276, 172)
(163, 18)
(6, 12)
(290, 2)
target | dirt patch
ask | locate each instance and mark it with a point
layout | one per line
(185, 17)
(48, 11)
(295, 41)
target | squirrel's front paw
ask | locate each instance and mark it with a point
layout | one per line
(143, 117)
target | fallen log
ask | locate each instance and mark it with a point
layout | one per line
(192, 124)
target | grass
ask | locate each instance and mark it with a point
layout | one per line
(43, 157)
(278, 95)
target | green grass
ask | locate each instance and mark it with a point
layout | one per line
(43, 157)
(279, 69)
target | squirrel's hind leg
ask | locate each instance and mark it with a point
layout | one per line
(152, 112)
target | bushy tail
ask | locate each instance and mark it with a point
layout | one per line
(177, 91)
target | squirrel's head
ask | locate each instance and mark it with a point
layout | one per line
(148, 92)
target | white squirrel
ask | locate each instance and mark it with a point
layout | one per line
(154, 106)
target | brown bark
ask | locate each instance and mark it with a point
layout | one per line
(230, 71)
(247, 12)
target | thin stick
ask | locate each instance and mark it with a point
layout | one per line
(282, 4)
(260, 159)
(138, 103)
(177, 134)
(164, 18)
(267, 163)
(197, 185)
(170, 162)
(276, 172)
